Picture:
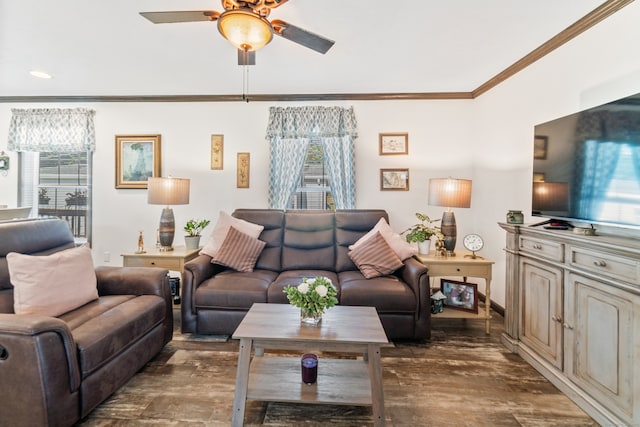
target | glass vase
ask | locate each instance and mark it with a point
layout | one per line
(309, 318)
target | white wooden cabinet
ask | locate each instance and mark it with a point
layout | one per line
(575, 316)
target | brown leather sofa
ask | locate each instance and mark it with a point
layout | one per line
(55, 370)
(305, 244)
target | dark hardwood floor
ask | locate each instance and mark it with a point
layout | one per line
(462, 377)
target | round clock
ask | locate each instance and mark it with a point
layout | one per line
(473, 243)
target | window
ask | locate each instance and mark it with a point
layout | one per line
(58, 185)
(313, 191)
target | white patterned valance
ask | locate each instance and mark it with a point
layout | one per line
(59, 130)
(308, 122)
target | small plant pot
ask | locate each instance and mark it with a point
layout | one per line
(424, 247)
(192, 242)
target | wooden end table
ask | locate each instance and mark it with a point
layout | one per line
(340, 381)
(464, 267)
(171, 260)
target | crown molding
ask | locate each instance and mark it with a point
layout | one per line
(599, 14)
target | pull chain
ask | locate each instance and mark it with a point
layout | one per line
(245, 83)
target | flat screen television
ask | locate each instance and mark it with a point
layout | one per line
(586, 166)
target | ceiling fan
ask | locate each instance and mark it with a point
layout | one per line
(244, 23)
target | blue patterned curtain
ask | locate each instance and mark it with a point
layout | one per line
(289, 131)
(52, 130)
(339, 160)
(287, 160)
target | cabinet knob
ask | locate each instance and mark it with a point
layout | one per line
(537, 246)
(600, 263)
(153, 263)
(567, 326)
(556, 319)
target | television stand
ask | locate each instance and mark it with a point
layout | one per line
(554, 224)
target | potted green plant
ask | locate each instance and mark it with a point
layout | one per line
(43, 197)
(194, 227)
(422, 232)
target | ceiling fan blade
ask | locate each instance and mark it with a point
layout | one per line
(301, 36)
(181, 16)
(246, 57)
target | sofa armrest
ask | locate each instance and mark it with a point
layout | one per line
(39, 371)
(19, 333)
(138, 281)
(195, 272)
(416, 275)
(133, 281)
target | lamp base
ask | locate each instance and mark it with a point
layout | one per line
(167, 230)
(449, 230)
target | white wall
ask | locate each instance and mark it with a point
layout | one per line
(488, 140)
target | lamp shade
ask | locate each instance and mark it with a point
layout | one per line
(450, 192)
(550, 196)
(245, 29)
(168, 191)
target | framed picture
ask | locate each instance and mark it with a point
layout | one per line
(460, 295)
(137, 159)
(243, 172)
(540, 147)
(394, 143)
(394, 179)
(217, 151)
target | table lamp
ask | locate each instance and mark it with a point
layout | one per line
(167, 191)
(450, 193)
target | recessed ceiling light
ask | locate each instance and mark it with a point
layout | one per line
(40, 74)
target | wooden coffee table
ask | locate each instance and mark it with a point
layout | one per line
(343, 329)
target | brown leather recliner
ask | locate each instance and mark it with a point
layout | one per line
(305, 244)
(55, 370)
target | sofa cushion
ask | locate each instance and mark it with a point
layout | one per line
(234, 289)
(276, 294)
(388, 294)
(50, 285)
(239, 251)
(399, 245)
(273, 222)
(351, 225)
(374, 257)
(105, 334)
(308, 241)
(220, 230)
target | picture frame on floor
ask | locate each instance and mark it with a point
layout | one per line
(460, 295)
(394, 179)
(137, 160)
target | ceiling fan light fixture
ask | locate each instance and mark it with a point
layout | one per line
(245, 29)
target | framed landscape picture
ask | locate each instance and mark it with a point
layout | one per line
(137, 159)
(393, 143)
(460, 295)
(394, 179)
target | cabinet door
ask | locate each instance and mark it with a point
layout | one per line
(600, 342)
(541, 309)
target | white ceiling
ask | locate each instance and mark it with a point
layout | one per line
(105, 48)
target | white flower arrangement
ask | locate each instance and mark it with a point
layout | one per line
(313, 295)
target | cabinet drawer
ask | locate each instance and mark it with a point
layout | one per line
(162, 262)
(613, 266)
(543, 248)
